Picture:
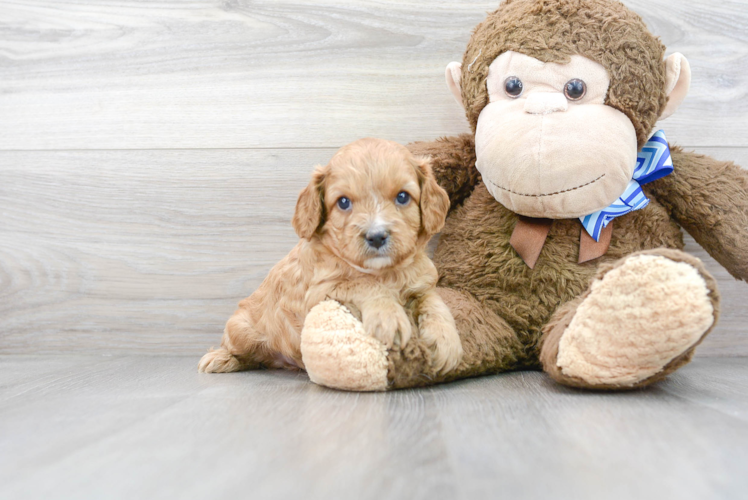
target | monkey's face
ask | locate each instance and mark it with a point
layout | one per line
(546, 144)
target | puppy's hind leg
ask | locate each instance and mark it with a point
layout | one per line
(219, 361)
(241, 347)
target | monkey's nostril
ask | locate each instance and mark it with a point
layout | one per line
(377, 240)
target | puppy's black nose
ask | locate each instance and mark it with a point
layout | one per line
(377, 239)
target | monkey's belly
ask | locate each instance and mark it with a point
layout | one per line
(474, 255)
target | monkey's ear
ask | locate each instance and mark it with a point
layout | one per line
(453, 73)
(677, 82)
(310, 209)
(434, 201)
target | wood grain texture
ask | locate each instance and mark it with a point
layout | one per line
(287, 74)
(149, 251)
(139, 250)
(148, 427)
(131, 221)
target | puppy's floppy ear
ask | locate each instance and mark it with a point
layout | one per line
(310, 208)
(434, 199)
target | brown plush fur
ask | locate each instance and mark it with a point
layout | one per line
(489, 343)
(475, 258)
(512, 317)
(553, 30)
(501, 306)
(453, 163)
(487, 283)
(708, 198)
(392, 288)
(563, 316)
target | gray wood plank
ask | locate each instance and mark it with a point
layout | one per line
(721, 386)
(149, 427)
(22, 373)
(137, 74)
(149, 251)
(143, 250)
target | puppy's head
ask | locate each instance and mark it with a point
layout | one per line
(374, 204)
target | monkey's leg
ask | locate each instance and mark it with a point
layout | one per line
(640, 320)
(338, 354)
(489, 344)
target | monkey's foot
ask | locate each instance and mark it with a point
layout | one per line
(640, 320)
(337, 352)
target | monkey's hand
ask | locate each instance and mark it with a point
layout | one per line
(453, 164)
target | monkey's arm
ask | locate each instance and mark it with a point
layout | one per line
(709, 198)
(453, 163)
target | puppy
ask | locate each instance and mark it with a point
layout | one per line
(364, 222)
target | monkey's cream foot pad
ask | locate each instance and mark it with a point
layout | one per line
(636, 319)
(337, 352)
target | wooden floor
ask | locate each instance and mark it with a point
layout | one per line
(84, 427)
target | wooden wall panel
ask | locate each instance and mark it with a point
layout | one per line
(286, 74)
(151, 152)
(139, 250)
(149, 251)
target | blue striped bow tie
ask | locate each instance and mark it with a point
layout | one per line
(652, 162)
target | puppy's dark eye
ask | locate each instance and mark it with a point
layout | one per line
(344, 203)
(513, 86)
(575, 89)
(402, 198)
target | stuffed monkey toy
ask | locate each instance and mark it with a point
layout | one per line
(562, 250)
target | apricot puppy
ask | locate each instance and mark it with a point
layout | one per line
(364, 222)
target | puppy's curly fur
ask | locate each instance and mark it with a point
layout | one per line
(364, 222)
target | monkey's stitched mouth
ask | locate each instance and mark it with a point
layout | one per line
(546, 194)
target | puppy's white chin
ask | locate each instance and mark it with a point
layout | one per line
(378, 262)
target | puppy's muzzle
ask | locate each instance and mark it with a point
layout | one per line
(377, 239)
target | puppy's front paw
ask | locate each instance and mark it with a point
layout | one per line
(445, 342)
(384, 321)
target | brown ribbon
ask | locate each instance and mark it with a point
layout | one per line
(589, 249)
(529, 237)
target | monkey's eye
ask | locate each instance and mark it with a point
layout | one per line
(402, 198)
(344, 203)
(513, 86)
(575, 89)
